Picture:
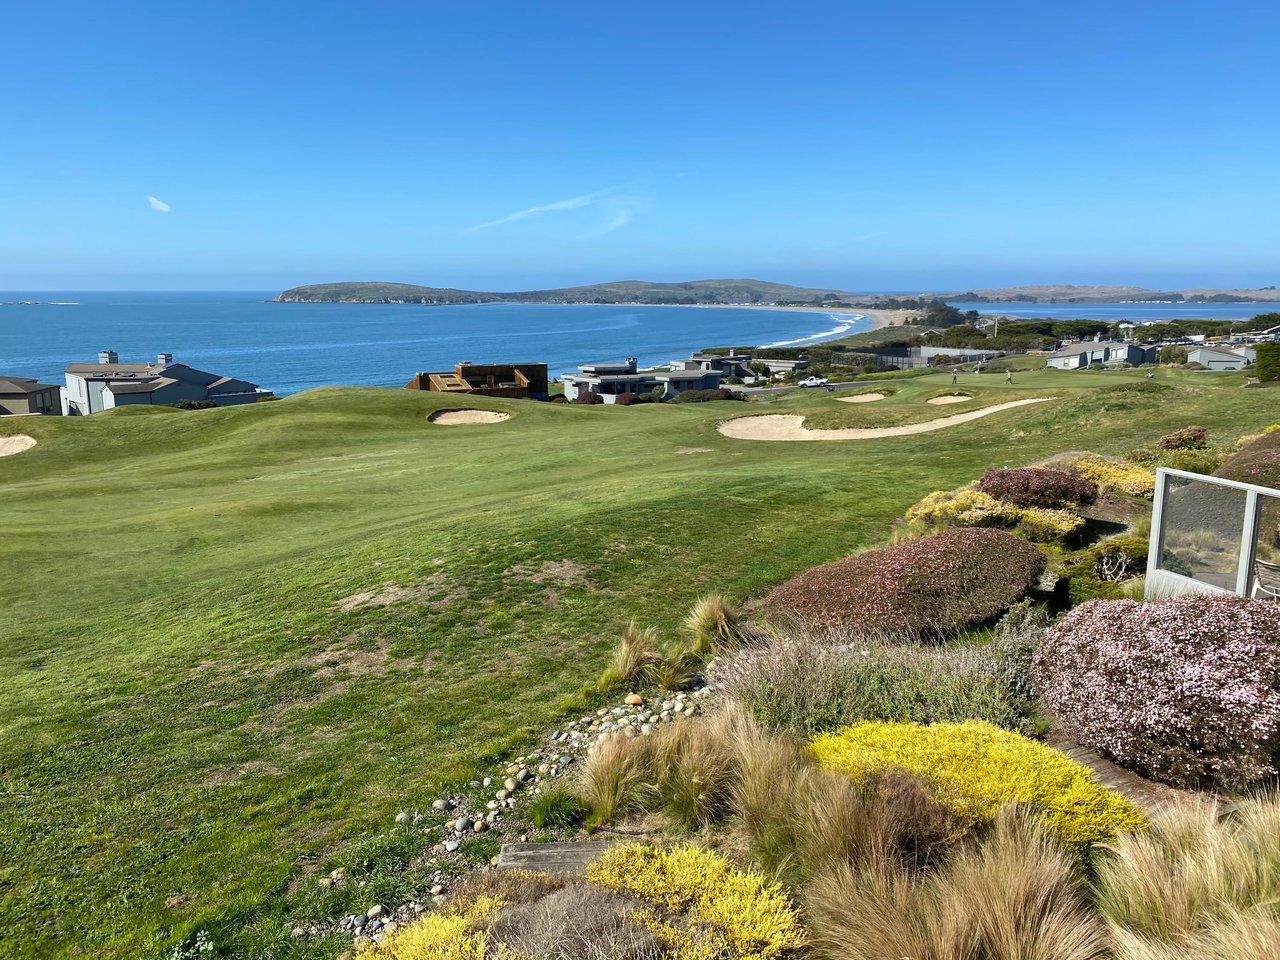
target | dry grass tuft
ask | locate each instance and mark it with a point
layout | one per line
(1196, 884)
(713, 625)
(1010, 898)
(635, 661)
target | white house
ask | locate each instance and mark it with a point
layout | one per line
(612, 380)
(94, 387)
(1221, 358)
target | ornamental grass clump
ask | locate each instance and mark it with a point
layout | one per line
(1012, 897)
(927, 588)
(1037, 487)
(977, 768)
(1196, 884)
(635, 660)
(1184, 690)
(713, 624)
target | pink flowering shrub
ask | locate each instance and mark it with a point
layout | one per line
(1184, 690)
(926, 587)
(1037, 487)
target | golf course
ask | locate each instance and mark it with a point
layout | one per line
(232, 640)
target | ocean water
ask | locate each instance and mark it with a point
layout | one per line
(287, 347)
(1115, 312)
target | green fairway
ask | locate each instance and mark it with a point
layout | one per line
(195, 700)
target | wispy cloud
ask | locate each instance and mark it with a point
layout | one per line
(158, 205)
(621, 210)
(572, 203)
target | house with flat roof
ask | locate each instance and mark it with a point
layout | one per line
(25, 396)
(1223, 358)
(518, 380)
(1101, 353)
(95, 387)
(612, 380)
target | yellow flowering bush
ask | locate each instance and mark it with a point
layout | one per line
(1111, 474)
(969, 507)
(1045, 523)
(965, 507)
(976, 768)
(438, 936)
(755, 918)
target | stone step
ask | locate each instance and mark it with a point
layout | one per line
(550, 857)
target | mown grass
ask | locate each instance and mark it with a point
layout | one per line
(187, 718)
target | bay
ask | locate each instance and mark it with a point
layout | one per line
(287, 347)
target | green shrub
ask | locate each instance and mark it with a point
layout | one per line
(705, 396)
(1267, 367)
(807, 686)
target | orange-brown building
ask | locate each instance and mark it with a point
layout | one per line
(519, 380)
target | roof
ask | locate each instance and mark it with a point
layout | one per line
(23, 385)
(103, 370)
(149, 385)
(1218, 351)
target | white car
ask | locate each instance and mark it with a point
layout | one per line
(813, 382)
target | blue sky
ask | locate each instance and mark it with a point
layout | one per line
(513, 145)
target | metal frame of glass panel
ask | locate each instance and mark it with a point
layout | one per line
(1161, 583)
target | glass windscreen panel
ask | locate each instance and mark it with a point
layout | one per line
(1266, 549)
(1203, 529)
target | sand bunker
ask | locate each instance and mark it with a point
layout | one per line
(862, 398)
(16, 444)
(949, 398)
(456, 418)
(781, 427)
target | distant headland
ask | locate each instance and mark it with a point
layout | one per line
(693, 292)
(699, 292)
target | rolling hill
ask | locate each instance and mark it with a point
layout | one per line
(621, 291)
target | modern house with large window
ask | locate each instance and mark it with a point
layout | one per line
(95, 387)
(518, 380)
(612, 380)
(25, 396)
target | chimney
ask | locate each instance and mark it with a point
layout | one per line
(108, 356)
(164, 359)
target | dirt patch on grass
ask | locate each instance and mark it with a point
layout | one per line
(458, 418)
(19, 443)
(686, 451)
(786, 427)
(863, 398)
(567, 573)
(949, 398)
(433, 592)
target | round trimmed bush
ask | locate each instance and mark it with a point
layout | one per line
(1184, 690)
(926, 587)
(1037, 487)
